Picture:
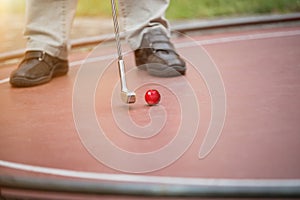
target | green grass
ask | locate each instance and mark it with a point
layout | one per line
(185, 9)
(181, 9)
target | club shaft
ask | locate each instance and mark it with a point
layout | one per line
(119, 48)
(122, 75)
(126, 95)
(116, 29)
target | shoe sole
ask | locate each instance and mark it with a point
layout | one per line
(160, 70)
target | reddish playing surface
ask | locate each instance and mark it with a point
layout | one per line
(260, 137)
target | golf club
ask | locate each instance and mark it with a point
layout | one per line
(126, 95)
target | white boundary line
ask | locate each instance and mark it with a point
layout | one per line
(241, 38)
(154, 179)
(4, 80)
(199, 42)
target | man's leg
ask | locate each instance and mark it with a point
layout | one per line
(147, 32)
(48, 25)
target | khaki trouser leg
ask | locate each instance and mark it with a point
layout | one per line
(48, 25)
(49, 22)
(141, 15)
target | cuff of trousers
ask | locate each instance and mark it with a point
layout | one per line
(135, 39)
(59, 52)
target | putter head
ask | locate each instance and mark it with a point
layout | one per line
(128, 97)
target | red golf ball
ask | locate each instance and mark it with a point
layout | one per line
(152, 97)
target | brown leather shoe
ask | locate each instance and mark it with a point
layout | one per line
(37, 68)
(158, 56)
